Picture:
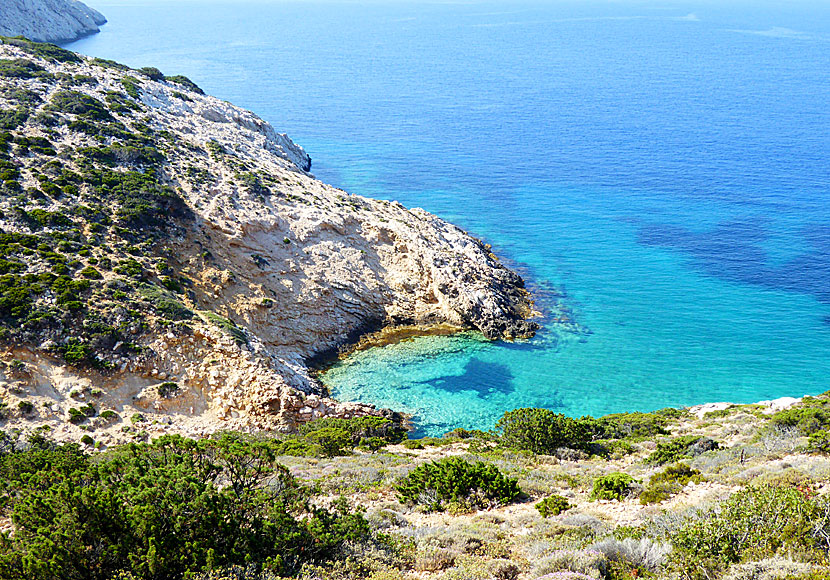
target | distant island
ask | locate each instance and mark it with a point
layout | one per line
(56, 21)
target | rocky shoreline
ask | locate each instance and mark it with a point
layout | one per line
(57, 21)
(251, 270)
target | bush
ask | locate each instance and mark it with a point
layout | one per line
(439, 483)
(76, 103)
(615, 485)
(168, 389)
(630, 425)
(572, 565)
(643, 553)
(542, 430)
(755, 523)
(811, 416)
(819, 442)
(679, 448)
(331, 440)
(168, 509)
(185, 82)
(42, 49)
(668, 482)
(359, 428)
(552, 506)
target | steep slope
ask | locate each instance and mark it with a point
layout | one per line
(49, 20)
(166, 252)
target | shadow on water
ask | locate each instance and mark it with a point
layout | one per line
(484, 378)
(731, 251)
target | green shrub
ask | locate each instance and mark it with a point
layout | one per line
(76, 103)
(131, 85)
(87, 440)
(811, 416)
(79, 354)
(819, 442)
(452, 480)
(168, 389)
(185, 82)
(331, 440)
(109, 415)
(296, 447)
(164, 302)
(42, 49)
(152, 72)
(130, 267)
(630, 425)
(168, 509)
(25, 407)
(137, 418)
(542, 430)
(91, 273)
(359, 428)
(552, 506)
(673, 450)
(753, 524)
(76, 417)
(21, 68)
(615, 485)
(11, 119)
(668, 482)
(226, 325)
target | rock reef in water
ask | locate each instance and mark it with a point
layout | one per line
(49, 20)
(168, 254)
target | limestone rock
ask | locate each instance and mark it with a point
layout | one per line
(49, 20)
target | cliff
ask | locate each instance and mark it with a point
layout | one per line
(167, 256)
(49, 20)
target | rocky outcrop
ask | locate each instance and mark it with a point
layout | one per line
(49, 20)
(251, 268)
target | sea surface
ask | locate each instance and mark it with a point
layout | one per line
(659, 171)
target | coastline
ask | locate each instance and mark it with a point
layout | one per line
(262, 268)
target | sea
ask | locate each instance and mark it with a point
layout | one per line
(657, 170)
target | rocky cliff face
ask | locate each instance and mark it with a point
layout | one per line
(166, 256)
(49, 20)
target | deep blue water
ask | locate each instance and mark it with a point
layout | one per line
(659, 171)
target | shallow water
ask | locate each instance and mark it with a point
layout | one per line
(658, 171)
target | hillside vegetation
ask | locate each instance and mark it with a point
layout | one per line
(166, 255)
(738, 494)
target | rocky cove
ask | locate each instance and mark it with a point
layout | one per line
(178, 240)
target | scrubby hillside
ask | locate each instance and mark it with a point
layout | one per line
(167, 257)
(49, 20)
(739, 493)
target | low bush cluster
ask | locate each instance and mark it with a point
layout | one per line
(756, 523)
(615, 485)
(552, 506)
(543, 431)
(167, 509)
(335, 436)
(668, 482)
(454, 481)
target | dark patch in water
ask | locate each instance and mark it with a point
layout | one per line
(730, 252)
(484, 378)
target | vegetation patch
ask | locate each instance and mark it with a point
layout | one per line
(542, 430)
(453, 481)
(43, 50)
(616, 485)
(552, 506)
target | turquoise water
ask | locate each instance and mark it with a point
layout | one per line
(659, 172)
